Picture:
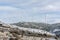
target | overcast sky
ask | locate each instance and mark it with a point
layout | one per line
(47, 11)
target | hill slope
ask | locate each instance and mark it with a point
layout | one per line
(43, 26)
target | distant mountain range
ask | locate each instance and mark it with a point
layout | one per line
(43, 26)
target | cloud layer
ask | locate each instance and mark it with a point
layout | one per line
(47, 11)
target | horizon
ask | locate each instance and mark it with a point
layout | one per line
(31, 22)
(41, 11)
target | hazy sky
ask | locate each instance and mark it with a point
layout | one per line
(30, 11)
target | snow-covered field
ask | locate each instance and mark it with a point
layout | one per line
(36, 38)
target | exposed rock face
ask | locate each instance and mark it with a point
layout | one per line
(9, 32)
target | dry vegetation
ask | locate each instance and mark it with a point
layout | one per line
(7, 32)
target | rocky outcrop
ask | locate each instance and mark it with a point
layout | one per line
(12, 32)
